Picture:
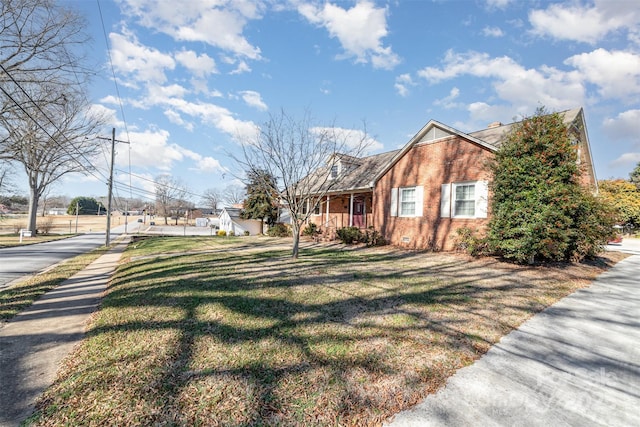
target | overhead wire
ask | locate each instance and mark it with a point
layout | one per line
(46, 131)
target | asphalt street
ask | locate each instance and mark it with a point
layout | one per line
(19, 261)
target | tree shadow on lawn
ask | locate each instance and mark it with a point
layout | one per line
(331, 327)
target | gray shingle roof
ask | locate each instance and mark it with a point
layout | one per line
(363, 171)
(494, 136)
(360, 175)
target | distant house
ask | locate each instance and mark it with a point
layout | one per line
(57, 211)
(232, 223)
(418, 196)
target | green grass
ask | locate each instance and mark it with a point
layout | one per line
(24, 293)
(216, 334)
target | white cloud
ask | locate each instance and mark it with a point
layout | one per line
(209, 164)
(219, 24)
(626, 126)
(512, 82)
(142, 63)
(219, 117)
(109, 114)
(500, 4)
(352, 138)
(150, 148)
(626, 159)
(242, 67)
(482, 114)
(403, 83)
(360, 30)
(177, 119)
(616, 73)
(584, 23)
(200, 65)
(492, 32)
(253, 99)
(448, 101)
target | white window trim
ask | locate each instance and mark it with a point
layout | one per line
(337, 168)
(447, 200)
(454, 187)
(396, 201)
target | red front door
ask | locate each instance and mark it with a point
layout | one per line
(358, 213)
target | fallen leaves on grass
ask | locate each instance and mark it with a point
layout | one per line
(235, 337)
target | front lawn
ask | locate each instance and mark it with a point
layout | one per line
(212, 332)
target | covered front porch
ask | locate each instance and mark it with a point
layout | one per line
(337, 211)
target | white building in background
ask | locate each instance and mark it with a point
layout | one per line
(231, 222)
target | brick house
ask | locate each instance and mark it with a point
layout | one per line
(418, 196)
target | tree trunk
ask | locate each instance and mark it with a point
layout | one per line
(295, 230)
(33, 210)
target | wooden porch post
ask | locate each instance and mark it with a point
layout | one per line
(327, 211)
(364, 211)
(351, 211)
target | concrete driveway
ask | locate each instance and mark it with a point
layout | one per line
(628, 245)
(575, 364)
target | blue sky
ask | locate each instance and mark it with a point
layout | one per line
(195, 76)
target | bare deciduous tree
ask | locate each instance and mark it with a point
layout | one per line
(48, 150)
(42, 42)
(301, 156)
(5, 176)
(45, 116)
(233, 195)
(211, 198)
(170, 194)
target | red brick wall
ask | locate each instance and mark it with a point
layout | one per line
(447, 160)
(339, 211)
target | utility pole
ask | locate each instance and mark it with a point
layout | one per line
(110, 184)
(77, 213)
(113, 157)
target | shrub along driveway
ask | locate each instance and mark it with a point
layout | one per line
(206, 331)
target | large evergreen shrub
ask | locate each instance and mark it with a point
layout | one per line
(540, 210)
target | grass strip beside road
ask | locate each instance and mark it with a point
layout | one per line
(23, 294)
(11, 240)
(219, 334)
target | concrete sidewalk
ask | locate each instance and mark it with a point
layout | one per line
(575, 364)
(33, 343)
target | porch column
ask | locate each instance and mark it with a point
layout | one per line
(327, 211)
(351, 211)
(364, 211)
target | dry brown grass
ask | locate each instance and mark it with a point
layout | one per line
(220, 335)
(64, 224)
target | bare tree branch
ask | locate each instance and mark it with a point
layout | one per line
(170, 195)
(44, 113)
(233, 195)
(300, 155)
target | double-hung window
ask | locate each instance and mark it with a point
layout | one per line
(408, 201)
(464, 200)
(335, 169)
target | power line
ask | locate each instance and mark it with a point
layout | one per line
(37, 123)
